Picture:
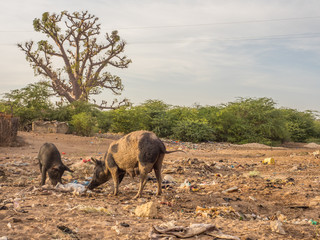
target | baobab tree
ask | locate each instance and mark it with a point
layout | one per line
(73, 59)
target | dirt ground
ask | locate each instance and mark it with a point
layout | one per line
(215, 183)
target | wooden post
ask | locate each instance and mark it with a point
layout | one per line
(8, 129)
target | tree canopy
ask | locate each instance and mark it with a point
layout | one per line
(73, 58)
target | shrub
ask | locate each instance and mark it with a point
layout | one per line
(193, 131)
(317, 129)
(301, 125)
(83, 124)
(125, 120)
(250, 120)
(153, 117)
(28, 103)
(64, 112)
(104, 121)
(242, 121)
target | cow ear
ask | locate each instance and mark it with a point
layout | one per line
(95, 161)
(67, 169)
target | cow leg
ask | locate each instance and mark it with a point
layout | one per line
(114, 170)
(121, 175)
(43, 176)
(143, 171)
(115, 177)
(157, 170)
(143, 180)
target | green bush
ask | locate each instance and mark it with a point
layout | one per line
(83, 124)
(154, 117)
(62, 113)
(193, 131)
(242, 121)
(104, 121)
(250, 120)
(301, 125)
(126, 120)
(29, 103)
(317, 129)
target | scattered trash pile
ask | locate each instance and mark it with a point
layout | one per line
(207, 195)
(71, 187)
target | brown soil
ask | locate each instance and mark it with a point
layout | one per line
(288, 191)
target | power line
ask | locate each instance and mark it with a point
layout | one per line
(270, 37)
(245, 38)
(222, 23)
(197, 25)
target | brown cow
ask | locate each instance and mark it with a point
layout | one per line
(136, 153)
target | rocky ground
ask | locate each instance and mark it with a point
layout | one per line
(214, 184)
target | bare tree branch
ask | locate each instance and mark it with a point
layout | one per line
(72, 40)
(115, 104)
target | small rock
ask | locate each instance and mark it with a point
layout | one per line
(277, 226)
(123, 224)
(16, 220)
(147, 210)
(252, 198)
(229, 190)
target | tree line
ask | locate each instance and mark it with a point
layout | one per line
(242, 121)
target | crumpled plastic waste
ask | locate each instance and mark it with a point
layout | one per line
(269, 161)
(71, 187)
(167, 230)
(186, 185)
(168, 182)
(313, 222)
(85, 183)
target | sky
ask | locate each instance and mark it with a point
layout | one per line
(186, 52)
